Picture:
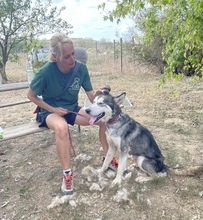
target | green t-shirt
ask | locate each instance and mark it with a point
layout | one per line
(49, 82)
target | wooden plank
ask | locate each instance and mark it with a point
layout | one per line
(18, 102)
(14, 86)
(21, 130)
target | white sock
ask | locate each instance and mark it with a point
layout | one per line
(66, 172)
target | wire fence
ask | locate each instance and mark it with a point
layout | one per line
(116, 51)
(119, 54)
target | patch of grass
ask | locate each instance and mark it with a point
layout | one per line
(163, 114)
(171, 157)
(179, 129)
(107, 215)
(196, 121)
(77, 216)
(52, 174)
(142, 205)
(190, 191)
(158, 182)
(25, 192)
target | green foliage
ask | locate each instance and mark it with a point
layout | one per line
(178, 23)
(25, 192)
(23, 21)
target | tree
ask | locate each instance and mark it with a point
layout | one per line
(24, 21)
(177, 23)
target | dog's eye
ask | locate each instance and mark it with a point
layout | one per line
(101, 104)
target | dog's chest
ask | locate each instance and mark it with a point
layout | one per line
(111, 132)
(112, 136)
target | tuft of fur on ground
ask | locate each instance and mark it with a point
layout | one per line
(187, 170)
(57, 201)
(95, 182)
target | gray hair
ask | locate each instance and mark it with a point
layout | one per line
(56, 43)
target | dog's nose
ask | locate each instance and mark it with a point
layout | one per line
(87, 110)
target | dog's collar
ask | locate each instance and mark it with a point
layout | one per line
(114, 120)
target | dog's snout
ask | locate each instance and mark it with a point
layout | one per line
(87, 111)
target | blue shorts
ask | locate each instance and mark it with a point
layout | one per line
(70, 117)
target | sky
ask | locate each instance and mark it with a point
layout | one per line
(87, 20)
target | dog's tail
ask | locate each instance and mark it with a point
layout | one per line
(187, 170)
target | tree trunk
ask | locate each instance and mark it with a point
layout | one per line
(3, 69)
(3, 75)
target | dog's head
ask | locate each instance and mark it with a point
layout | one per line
(105, 107)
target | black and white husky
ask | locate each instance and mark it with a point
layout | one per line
(127, 136)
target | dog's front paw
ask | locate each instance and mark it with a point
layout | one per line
(100, 171)
(116, 181)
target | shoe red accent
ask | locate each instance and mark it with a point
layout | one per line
(114, 162)
(68, 181)
(113, 165)
(67, 185)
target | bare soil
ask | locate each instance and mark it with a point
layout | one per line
(30, 173)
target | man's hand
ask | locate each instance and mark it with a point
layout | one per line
(100, 90)
(106, 87)
(60, 111)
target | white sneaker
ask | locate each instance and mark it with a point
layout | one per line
(67, 184)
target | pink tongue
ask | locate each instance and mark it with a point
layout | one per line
(92, 120)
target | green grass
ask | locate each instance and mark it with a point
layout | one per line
(171, 157)
(25, 192)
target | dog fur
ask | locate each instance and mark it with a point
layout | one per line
(127, 136)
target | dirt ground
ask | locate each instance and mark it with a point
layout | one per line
(30, 173)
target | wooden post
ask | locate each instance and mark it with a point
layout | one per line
(96, 48)
(121, 47)
(114, 50)
(132, 49)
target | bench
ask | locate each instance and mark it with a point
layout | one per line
(11, 87)
(14, 86)
(21, 130)
(18, 102)
(26, 129)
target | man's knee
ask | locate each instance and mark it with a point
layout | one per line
(61, 129)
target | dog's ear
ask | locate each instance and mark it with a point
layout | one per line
(119, 99)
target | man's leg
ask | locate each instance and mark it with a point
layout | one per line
(60, 126)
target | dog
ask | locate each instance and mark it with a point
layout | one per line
(127, 136)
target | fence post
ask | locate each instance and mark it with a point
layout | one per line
(121, 48)
(114, 50)
(96, 48)
(132, 49)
